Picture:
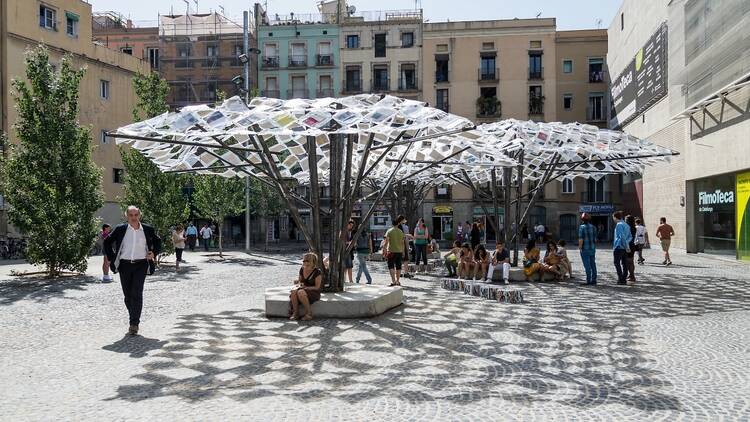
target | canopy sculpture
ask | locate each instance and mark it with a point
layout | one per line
(380, 141)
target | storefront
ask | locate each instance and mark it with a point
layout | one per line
(442, 223)
(481, 217)
(714, 216)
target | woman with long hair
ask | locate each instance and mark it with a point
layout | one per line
(481, 263)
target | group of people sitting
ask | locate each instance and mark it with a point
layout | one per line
(469, 263)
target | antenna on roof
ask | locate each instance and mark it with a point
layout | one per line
(599, 23)
(538, 14)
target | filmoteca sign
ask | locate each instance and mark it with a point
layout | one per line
(706, 200)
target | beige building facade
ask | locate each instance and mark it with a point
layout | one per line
(106, 98)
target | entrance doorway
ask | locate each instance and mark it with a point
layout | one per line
(601, 222)
(568, 227)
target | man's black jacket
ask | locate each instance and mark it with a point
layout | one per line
(113, 242)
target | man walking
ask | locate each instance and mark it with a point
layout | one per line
(665, 232)
(364, 249)
(206, 234)
(587, 235)
(621, 246)
(131, 249)
(192, 236)
(393, 250)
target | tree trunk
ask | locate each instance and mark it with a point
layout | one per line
(265, 238)
(221, 251)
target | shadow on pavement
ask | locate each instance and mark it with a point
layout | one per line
(135, 346)
(40, 289)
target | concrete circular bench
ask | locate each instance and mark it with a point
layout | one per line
(357, 301)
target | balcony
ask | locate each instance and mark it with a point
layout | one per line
(488, 107)
(297, 61)
(536, 74)
(324, 93)
(352, 86)
(296, 93)
(536, 104)
(595, 114)
(210, 62)
(324, 60)
(441, 76)
(270, 62)
(488, 75)
(407, 84)
(379, 85)
(596, 197)
(596, 76)
(271, 93)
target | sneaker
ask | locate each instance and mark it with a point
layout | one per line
(664, 263)
(133, 330)
(107, 279)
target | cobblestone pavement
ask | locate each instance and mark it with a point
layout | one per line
(673, 346)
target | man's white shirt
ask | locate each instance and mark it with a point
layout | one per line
(206, 232)
(134, 245)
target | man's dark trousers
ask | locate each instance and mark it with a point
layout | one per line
(621, 264)
(132, 277)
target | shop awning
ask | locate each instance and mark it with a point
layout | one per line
(72, 16)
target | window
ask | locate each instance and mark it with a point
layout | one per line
(298, 87)
(487, 105)
(441, 68)
(595, 109)
(353, 82)
(380, 78)
(488, 46)
(325, 58)
(270, 56)
(183, 56)
(127, 50)
(596, 70)
(595, 191)
(567, 186)
(272, 88)
(325, 86)
(567, 66)
(441, 100)
(298, 57)
(118, 175)
(153, 57)
(487, 69)
(103, 136)
(408, 77)
(407, 39)
(567, 101)
(538, 215)
(71, 24)
(211, 90)
(212, 50)
(535, 65)
(352, 41)
(47, 17)
(104, 89)
(443, 192)
(379, 45)
(536, 100)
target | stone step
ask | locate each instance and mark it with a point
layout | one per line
(356, 301)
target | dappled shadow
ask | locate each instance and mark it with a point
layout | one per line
(239, 260)
(40, 289)
(575, 346)
(135, 346)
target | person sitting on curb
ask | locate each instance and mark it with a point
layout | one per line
(567, 267)
(451, 259)
(481, 262)
(465, 262)
(552, 261)
(531, 263)
(307, 289)
(501, 258)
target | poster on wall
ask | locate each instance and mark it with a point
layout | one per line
(743, 216)
(642, 82)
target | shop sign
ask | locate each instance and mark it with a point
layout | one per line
(442, 209)
(706, 200)
(490, 211)
(597, 209)
(304, 210)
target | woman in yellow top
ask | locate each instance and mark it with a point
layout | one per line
(531, 263)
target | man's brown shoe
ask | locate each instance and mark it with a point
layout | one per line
(133, 330)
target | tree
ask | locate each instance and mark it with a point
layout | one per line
(217, 197)
(50, 179)
(265, 201)
(158, 195)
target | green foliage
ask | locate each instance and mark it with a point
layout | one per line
(49, 179)
(158, 195)
(265, 201)
(217, 197)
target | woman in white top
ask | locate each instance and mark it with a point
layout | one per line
(641, 236)
(178, 239)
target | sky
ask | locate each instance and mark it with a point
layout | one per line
(570, 14)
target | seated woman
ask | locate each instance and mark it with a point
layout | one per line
(451, 259)
(567, 267)
(552, 261)
(307, 289)
(465, 262)
(481, 263)
(531, 263)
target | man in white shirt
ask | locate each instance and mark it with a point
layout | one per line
(539, 230)
(641, 238)
(206, 234)
(130, 249)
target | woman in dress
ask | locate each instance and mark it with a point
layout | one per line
(307, 289)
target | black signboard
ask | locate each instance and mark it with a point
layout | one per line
(643, 81)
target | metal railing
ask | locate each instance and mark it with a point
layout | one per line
(596, 76)
(351, 86)
(488, 75)
(488, 110)
(536, 104)
(324, 93)
(596, 197)
(271, 93)
(377, 85)
(296, 93)
(324, 60)
(297, 61)
(407, 84)
(536, 73)
(270, 62)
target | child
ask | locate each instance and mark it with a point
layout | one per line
(567, 267)
(451, 259)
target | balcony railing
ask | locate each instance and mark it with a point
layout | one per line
(488, 110)
(379, 85)
(536, 104)
(324, 60)
(596, 76)
(352, 86)
(488, 75)
(271, 93)
(324, 93)
(210, 62)
(595, 114)
(296, 93)
(407, 84)
(270, 62)
(297, 61)
(536, 73)
(441, 76)
(596, 197)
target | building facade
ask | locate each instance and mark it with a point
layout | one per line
(299, 56)
(680, 73)
(381, 53)
(106, 92)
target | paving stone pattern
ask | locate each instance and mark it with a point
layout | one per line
(674, 346)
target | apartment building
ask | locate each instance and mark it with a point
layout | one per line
(106, 91)
(680, 76)
(299, 55)
(381, 52)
